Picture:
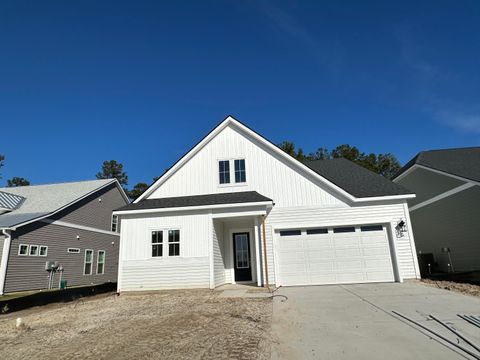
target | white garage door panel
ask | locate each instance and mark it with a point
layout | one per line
(334, 258)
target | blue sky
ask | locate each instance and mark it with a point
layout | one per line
(142, 81)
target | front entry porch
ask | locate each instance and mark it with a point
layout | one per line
(236, 251)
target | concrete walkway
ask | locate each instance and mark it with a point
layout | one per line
(355, 322)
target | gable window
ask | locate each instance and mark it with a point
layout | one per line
(115, 223)
(173, 242)
(240, 173)
(224, 171)
(157, 243)
(43, 250)
(23, 250)
(33, 250)
(101, 262)
(87, 265)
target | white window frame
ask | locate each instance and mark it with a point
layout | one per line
(85, 262)
(165, 243)
(151, 244)
(174, 242)
(77, 251)
(103, 263)
(117, 229)
(30, 250)
(235, 171)
(40, 250)
(231, 164)
(19, 248)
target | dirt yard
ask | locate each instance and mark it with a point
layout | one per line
(468, 289)
(194, 324)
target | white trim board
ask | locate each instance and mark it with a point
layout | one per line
(442, 196)
(271, 147)
(80, 227)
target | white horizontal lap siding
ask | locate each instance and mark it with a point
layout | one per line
(267, 174)
(138, 270)
(302, 217)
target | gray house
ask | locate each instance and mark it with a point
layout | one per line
(68, 226)
(446, 212)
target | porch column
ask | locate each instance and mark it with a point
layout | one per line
(258, 255)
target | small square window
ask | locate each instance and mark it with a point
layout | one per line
(344, 229)
(317, 231)
(224, 171)
(43, 251)
(23, 250)
(371, 228)
(33, 250)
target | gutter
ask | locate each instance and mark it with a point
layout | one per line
(4, 260)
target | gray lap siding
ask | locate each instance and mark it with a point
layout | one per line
(91, 211)
(28, 272)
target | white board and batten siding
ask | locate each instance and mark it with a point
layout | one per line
(140, 271)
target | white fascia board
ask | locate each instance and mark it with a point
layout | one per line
(333, 223)
(192, 208)
(239, 214)
(70, 204)
(230, 120)
(405, 173)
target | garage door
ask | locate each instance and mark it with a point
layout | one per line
(339, 255)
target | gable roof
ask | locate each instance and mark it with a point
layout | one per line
(41, 201)
(355, 179)
(230, 121)
(244, 197)
(463, 162)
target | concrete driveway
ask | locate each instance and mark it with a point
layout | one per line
(355, 322)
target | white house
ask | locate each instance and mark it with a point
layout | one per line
(236, 208)
(446, 211)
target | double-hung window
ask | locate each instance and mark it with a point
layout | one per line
(224, 171)
(173, 242)
(87, 264)
(33, 250)
(101, 262)
(157, 243)
(240, 174)
(114, 223)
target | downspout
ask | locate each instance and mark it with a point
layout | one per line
(267, 284)
(4, 260)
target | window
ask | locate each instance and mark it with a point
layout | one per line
(157, 243)
(224, 171)
(101, 262)
(372, 228)
(33, 250)
(115, 223)
(290, 233)
(43, 251)
(317, 231)
(240, 174)
(73, 250)
(173, 242)
(87, 266)
(23, 250)
(344, 229)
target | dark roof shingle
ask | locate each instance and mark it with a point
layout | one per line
(463, 162)
(197, 200)
(355, 179)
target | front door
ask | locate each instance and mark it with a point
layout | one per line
(242, 263)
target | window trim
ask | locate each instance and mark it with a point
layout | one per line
(244, 170)
(103, 263)
(173, 242)
(231, 165)
(224, 172)
(112, 223)
(20, 246)
(151, 244)
(40, 250)
(73, 252)
(165, 243)
(30, 250)
(85, 262)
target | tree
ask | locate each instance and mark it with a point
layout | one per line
(137, 190)
(384, 164)
(112, 169)
(2, 159)
(17, 181)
